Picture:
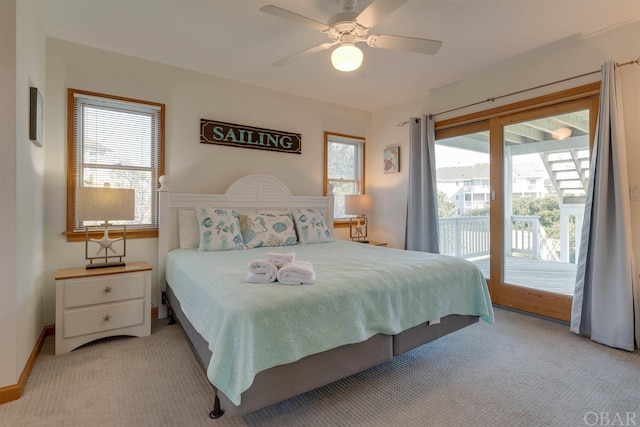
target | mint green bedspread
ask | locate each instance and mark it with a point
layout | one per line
(360, 290)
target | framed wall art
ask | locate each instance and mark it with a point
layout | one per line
(392, 159)
(36, 110)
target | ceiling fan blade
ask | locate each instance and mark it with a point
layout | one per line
(377, 10)
(408, 44)
(311, 50)
(283, 13)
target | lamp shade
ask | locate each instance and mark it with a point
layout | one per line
(358, 204)
(105, 204)
(346, 57)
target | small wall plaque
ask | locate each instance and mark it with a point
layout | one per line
(36, 110)
(392, 160)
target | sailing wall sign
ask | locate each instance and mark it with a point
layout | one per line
(221, 133)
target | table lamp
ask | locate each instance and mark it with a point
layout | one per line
(105, 204)
(359, 205)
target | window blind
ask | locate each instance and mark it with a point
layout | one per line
(117, 143)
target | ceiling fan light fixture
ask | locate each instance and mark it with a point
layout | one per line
(346, 57)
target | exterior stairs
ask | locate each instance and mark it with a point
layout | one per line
(568, 171)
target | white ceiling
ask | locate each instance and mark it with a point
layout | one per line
(234, 40)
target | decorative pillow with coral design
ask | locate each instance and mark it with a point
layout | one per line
(311, 226)
(261, 229)
(219, 229)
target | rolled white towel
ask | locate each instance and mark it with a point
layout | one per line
(297, 273)
(261, 271)
(280, 260)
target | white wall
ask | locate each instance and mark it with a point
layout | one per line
(30, 183)
(22, 45)
(191, 166)
(567, 58)
(8, 235)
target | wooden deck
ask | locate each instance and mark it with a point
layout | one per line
(558, 277)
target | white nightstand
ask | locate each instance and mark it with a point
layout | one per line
(102, 302)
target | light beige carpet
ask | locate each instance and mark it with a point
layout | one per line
(521, 371)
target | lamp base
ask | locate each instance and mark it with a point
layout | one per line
(358, 228)
(105, 245)
(105, 264)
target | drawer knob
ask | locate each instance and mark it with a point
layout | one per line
(106, 290)
(106, 318)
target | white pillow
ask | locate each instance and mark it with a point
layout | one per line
(311, 226)
(188, 229)
(219, 229)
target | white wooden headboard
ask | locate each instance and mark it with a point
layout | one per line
(249, 192)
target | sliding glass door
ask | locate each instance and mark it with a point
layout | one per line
(545, 157)
(511, 197)
(545, 179)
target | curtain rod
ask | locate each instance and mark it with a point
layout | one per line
(635, 61)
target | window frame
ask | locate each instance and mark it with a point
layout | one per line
(133, 232)
(361, 181)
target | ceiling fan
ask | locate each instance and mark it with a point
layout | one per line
(347, 28)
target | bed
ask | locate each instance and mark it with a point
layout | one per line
(261, 343)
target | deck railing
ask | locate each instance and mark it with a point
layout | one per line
(464, 236)
(468, 237)
(530, 239)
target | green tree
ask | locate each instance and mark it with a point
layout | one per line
(478, 212)
(446, 208)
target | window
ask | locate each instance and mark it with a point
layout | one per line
(119, 142)
(344, 169)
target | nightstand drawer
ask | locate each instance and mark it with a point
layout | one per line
(105, 289)
(103, 318)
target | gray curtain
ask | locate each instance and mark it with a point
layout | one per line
(422, 198)
(603, 303)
